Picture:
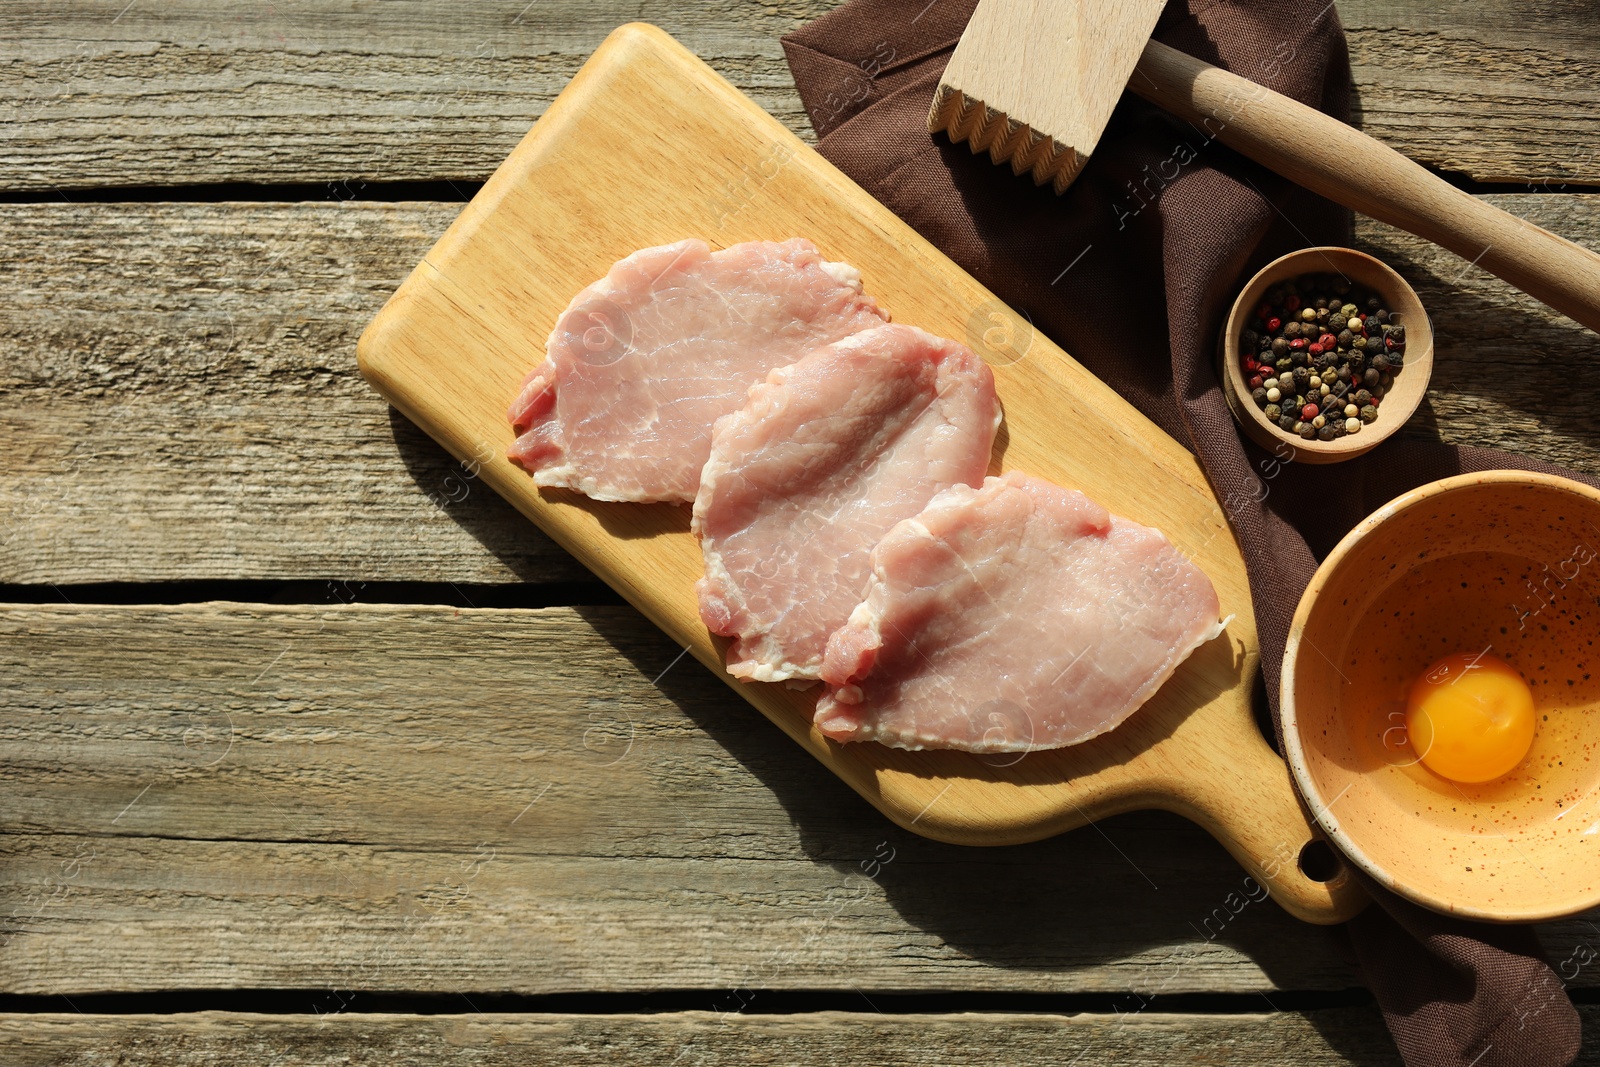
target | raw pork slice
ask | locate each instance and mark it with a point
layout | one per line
(825, 457)
(1013, 617)
(644, 361)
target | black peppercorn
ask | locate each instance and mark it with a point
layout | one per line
(1340, 381)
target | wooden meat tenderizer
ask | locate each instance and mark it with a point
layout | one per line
(1035, 81)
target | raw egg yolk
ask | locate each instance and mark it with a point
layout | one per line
(1470, 717)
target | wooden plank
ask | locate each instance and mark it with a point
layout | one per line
(218, 341)
(1507, 371)
(705, 1039)
(193, 369)
(243, 796)
(323, 92)
(1499, 91)
(247, 796)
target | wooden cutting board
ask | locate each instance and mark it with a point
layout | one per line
(648, 145)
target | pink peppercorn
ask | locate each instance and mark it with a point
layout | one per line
(1274, 324)
(1308, 412)
(1255, 381)
(1316, 349)
(1298, 343)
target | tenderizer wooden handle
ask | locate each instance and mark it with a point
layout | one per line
(1350, 168)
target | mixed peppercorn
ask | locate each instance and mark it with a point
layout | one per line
(1320, 354)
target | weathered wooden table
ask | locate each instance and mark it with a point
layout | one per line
(313, 751)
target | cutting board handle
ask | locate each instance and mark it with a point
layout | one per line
(1246, 800)
(1350, 168)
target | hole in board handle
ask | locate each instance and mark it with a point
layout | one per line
(1319, 862)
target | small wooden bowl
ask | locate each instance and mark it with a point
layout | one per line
(1410, 385)
(1503, 561)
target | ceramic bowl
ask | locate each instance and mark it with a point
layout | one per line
(1410, 385)
(1507, 562)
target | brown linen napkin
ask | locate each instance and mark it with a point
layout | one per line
(1132, 271)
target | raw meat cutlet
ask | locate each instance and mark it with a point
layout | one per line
(1017, 616)
(644, 361)
(822, 460)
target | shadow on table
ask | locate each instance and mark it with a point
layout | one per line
(500, 528)
(1145, 903)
